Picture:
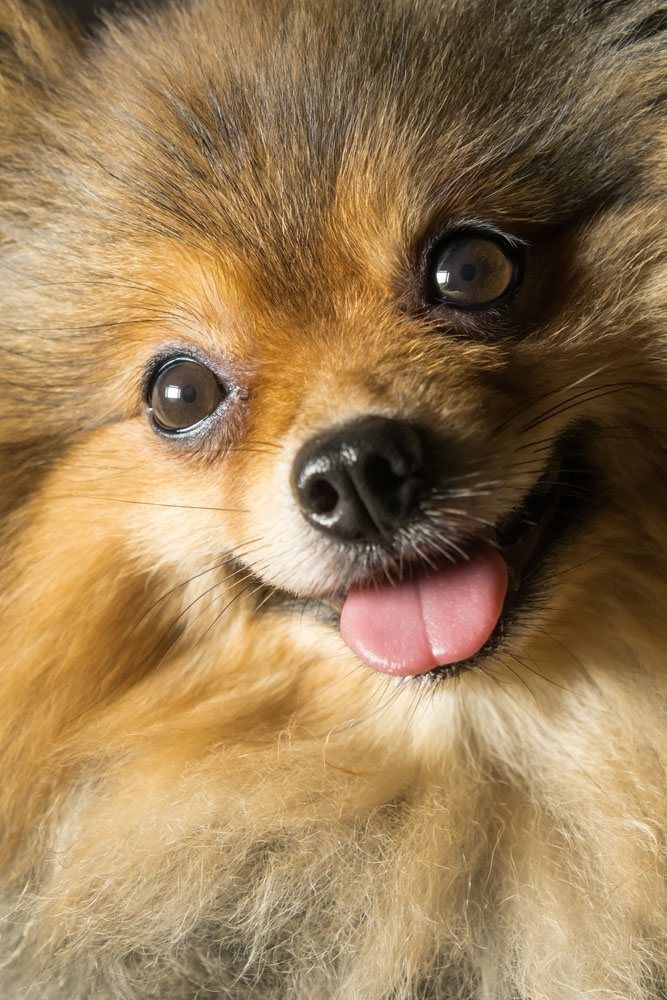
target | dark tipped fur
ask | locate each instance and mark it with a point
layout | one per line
(199, 798)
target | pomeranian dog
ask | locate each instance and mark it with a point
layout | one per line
(334, 543)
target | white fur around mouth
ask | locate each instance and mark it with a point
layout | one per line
(525, 538)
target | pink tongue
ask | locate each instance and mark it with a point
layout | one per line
(433, 619)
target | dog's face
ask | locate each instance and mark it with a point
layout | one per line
(336, 348)
(387, 325)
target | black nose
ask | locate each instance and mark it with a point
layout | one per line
(361, 480)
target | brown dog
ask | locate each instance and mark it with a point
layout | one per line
(332, 320)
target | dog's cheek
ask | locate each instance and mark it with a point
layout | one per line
(166, 507)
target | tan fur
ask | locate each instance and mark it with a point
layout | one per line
(202, 797)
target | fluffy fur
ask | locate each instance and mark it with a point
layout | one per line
(201, 796)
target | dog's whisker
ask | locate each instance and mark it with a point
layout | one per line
(522, 680)
(249, 548)
(587, 396)
(575, 384)
(152, 503)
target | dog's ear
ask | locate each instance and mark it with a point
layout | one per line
(41, 40)
(632, 20)
(89, 14)
(86, 12)
(38, 47)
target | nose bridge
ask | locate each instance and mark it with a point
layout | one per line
(366, 362)
(362, 361)
(344, 392)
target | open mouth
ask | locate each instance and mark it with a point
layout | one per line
(440, 621)
(556, 508)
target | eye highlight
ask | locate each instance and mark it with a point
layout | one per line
(183, 393)
(472, 270)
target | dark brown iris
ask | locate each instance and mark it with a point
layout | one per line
(184, 392)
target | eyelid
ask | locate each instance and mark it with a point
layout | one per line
(479, 227)
(162, 362)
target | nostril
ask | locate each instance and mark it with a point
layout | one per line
(321, 496)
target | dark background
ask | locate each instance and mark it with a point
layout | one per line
(87, 11)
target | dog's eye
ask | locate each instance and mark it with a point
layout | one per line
(182, 394)
(472, 270)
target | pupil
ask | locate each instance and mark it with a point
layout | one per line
(468, 272)
(188, 393)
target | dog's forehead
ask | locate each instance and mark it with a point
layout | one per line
(288, 135)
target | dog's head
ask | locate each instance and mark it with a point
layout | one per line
(363, 306)
(333, 340)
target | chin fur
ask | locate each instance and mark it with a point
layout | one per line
(204, 792)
